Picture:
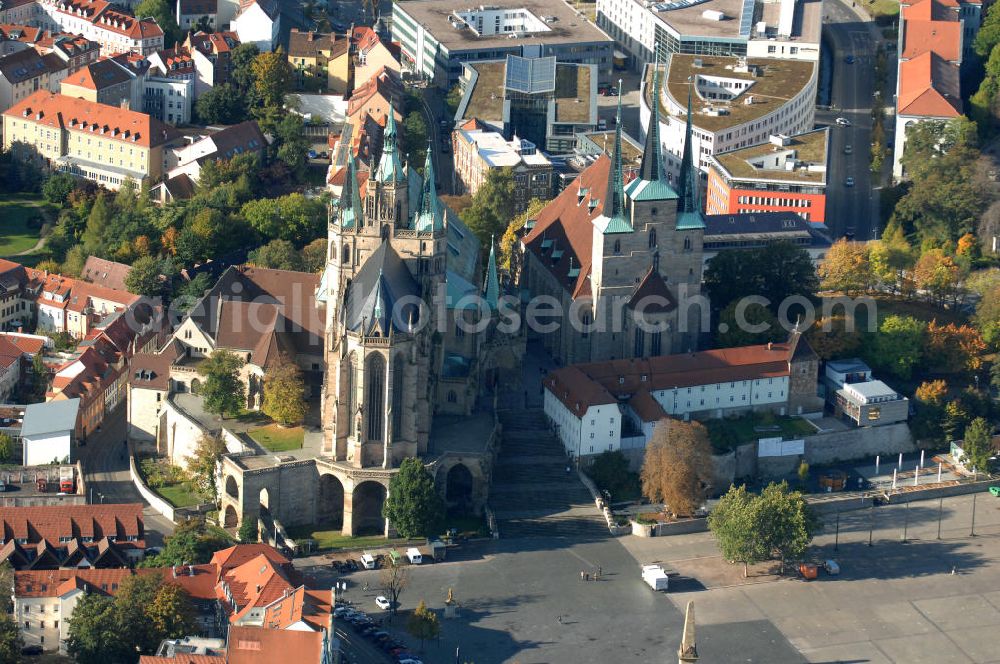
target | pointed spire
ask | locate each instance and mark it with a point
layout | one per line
(652, 159)
(687, 653)
(689, 214)
(350, 197)
(390, 169)
(491, 288)
(429, 215)
(614, 201)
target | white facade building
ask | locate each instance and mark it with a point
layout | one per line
(115, 31)
(47, 432)
(258, 22)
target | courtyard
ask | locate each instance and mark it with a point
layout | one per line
(893, 601)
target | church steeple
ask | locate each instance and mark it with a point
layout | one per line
(689, 213)
(429, 216)
(390, 169)
(491, 289)
(350, 208)
(652, 185)
(614, 201)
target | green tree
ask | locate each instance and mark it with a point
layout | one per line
(221, 104)
(249, 532)
(891, 257)
(7, 588)
(453, 99)
(132, 601)
(203, 463)
(423, 624)
(492, 207)
(291, 145)
(98, 227)
(897, 346)
(735, 523)
(94, 635)
(192, 542)
(788, 525)
(242, 60)
(413, 505)
(57, 188)
(172, 612)
(989, 33)
(284, 393)
(6, 448)
(222, 391)
(314, 255)
(610, 473)
(162, 11)
(732, 332)
(956, 419)
(10, 641)
(272, 77)
(145, 277)
(775, 272)
(977, 447)
(277, 255)
(415, 137)
(39, 378)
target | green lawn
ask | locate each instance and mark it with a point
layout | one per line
(278, 439)
(333, 539)
(179, 495)
(467, 525)
(730, 432)
(881, 7)
(15, 234)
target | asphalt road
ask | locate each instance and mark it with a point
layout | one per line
(851, 209)
(105, 468)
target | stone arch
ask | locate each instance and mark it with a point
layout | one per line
(366, 508)
(232, 488)
(375, 396)
(330, 501)
(458, 487)
(264, 500)
(195, 386)
(232, 519)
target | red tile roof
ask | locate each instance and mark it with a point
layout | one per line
(941, 37)
(255, 645)
(183, 658)
(57, 582)
(54, 522)
(929, 86)
(26, 344)
(931, 10)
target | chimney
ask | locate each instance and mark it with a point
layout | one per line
(770, 345)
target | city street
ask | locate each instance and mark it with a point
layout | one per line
(105, 467)
(851, 209)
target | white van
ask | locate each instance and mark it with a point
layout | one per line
(367, 560)
(413, 555)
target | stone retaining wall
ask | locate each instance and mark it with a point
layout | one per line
(154, 500)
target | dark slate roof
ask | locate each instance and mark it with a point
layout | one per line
(765, 222)
(374, 293)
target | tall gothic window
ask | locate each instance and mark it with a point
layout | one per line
(397, 395)
(351, 387)
(654, 350)
(618, 246)
(687, 244)
(640, 342)
(375, 396)
(347, 253)
(652, 238)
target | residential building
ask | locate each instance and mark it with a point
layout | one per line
(25, 72)
(102, 143)
(20, 12)
(188, 650)
(258, 22)
(197, 14)
(14, 309)
(99, 21)
(109, 274)
(736, 102)
(76, 50)
(255, 645)
(750, 230)
(10, 368)
(44, 601)
(787, 174)
(14, 38)
(615, 405)
(477, 152)
(376, 97)
(169, 86)
(928, 81)
(371, 54)
(243, 138)
(211, 54)
(48, 432)
(64, 304)
(540, 99)
(858, 397)
(436, 38)
(322, 62)
(102, 82)
(81, 536)
(786, 29)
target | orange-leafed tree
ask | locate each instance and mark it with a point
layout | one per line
(678, 466)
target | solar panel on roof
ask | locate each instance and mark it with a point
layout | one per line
(530, 75)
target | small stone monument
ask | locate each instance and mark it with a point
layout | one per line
(450, 605)
(688, 651)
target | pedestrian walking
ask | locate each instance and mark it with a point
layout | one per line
(600, 570)
(581, 575)
(559, 618)
(586, 576)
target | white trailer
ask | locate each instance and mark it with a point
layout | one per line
(414, 556)
(655, 577)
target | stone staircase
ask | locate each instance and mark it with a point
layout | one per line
(532, 495)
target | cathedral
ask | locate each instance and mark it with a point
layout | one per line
(401, 275)
(623, 259)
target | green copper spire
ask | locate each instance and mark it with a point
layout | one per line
(652, 185)
(614, 200)
(350, 197)
(492, 287)
(390, 169)
(429, 215)
(689, 213)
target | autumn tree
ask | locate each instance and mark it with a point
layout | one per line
(938, 274)
(272, 77)
(677, 466)
(223, 391)
(891, 258)
(846, 268)
(831, 339)
(423, 624)
(203, 463)
(171, 611)
(505, 247)
(953, 349)
(284, 392)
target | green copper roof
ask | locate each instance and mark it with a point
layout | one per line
(492, 286)
(390, 169)
(429, 215)
(652, 185)
(614, 201)
(350, 198)
(689, 221)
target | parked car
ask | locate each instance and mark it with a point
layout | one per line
(849, 182)
(312, 154)
(831, 567)
(848, 149)
(382, 603)
(849, 59)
